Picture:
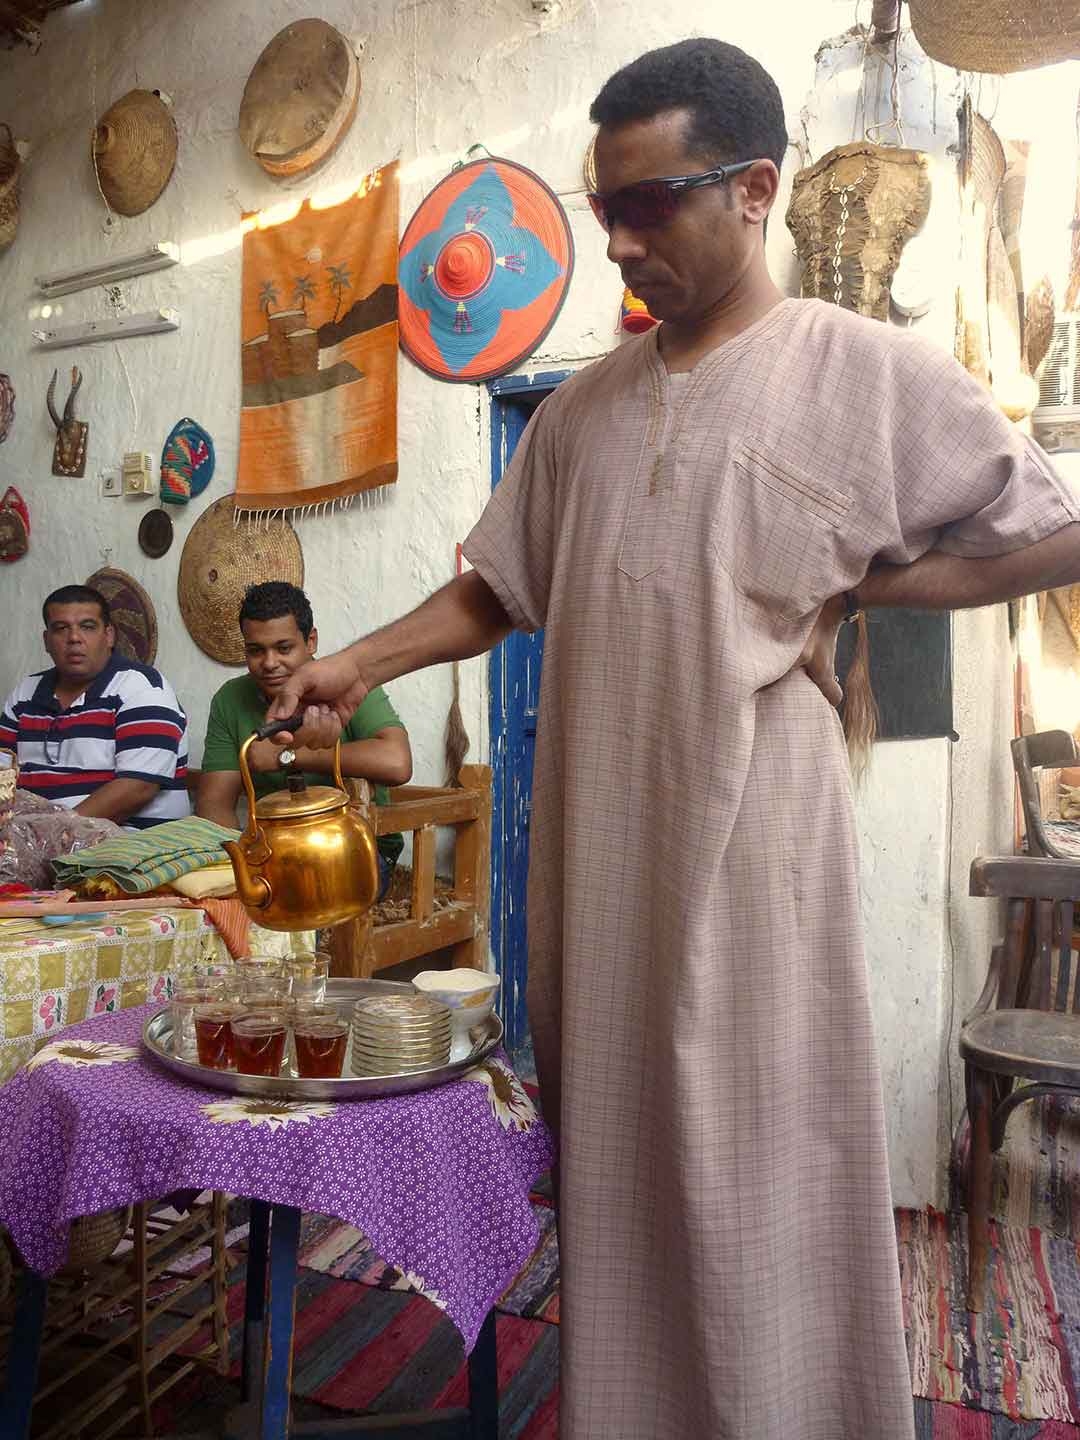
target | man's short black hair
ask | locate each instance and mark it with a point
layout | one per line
(77, 595)
(273, 600)
(735, 108)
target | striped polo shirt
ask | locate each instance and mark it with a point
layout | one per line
(127, 724)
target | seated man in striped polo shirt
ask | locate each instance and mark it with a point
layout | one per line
(97, 733)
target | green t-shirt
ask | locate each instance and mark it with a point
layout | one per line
(239, 708)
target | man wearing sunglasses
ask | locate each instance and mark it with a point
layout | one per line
(685, 519)
(96, 732)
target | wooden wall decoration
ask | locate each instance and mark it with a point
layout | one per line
(69, 452)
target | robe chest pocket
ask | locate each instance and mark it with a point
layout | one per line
(779, 532)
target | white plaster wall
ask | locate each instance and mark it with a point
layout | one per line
(438, 76)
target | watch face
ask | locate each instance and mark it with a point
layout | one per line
(287, 757)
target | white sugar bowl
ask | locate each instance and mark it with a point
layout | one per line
(468, 994)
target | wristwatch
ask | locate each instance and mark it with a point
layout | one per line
(287, 758)
(852, 608)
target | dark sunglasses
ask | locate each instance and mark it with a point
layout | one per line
(650, 203)
(54, 736)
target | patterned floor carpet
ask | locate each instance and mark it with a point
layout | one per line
(1021, 1356)
(1013, 1373)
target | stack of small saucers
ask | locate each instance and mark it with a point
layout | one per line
(399, 1034)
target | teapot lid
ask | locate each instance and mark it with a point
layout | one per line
(300, 800)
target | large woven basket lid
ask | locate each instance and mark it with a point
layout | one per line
(134, 151)
(300, 98)
(997, 37)
(224, 553)
(133, 615)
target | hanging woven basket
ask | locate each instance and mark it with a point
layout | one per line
(95, 1237)
(997, 37)
(134, 151)
(10, 167)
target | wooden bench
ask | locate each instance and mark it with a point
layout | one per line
(361, 948)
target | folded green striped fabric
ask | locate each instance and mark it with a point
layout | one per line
(147, 859)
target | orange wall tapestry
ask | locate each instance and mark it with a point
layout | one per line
(318, 417)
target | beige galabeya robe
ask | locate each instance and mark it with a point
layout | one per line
(697, 985)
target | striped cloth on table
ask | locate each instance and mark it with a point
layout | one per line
(144, 861)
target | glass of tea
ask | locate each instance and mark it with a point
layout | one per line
(213, 1033)
(190, 991)
(259, 1042)
(320, 1041)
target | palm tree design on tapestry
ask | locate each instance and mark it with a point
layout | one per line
(267, 296)
(340, 281)
(303, 291)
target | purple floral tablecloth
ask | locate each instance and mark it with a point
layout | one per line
(438, 1181)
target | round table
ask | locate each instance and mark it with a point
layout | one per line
(439, 1181)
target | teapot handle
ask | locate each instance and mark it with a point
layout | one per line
(275, 727)
(265, 732)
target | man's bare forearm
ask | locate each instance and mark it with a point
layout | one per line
(118, 799)
(938, 581)
(462, 619)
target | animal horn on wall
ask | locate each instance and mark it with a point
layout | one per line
(50, 400)
(69, 408)
(69, 452)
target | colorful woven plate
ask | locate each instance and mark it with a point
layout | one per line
(187, 462)
(483, 270)
(133, 615)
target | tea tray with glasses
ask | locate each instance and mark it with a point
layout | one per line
(342, 994)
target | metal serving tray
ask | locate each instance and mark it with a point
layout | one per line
(158, 1039)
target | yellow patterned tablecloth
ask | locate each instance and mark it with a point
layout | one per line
(52, 976)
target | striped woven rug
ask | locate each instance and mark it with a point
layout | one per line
(1021, 1357)
(335, 1248)
(361, 1348)
(952, 1422)
(1036, 1177)
(363, 1344)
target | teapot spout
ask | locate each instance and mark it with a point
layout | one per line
(253, 890)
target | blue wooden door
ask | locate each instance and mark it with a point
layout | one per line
(515, 699)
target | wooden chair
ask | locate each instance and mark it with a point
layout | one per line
(1022, 1039)
(360, 948)
(1048, 750)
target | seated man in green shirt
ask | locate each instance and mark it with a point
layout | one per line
(279, 635)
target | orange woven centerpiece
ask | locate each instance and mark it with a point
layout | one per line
(483, 270)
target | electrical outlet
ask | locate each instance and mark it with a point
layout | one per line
(137, 474)
(111, 485)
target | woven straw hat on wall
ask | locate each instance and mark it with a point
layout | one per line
(300, 98)
(997, 37)
(134, 151)
(221, 558)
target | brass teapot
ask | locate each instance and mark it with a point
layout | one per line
(307, 858)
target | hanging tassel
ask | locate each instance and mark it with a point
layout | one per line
(860, 711)
(457, 737)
